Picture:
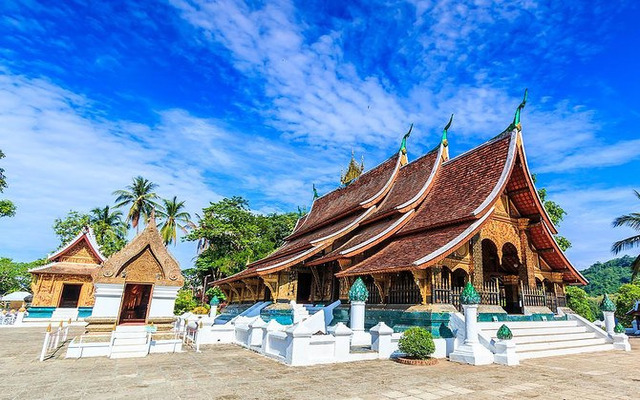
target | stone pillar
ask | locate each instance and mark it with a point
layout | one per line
(358, 295)
(608, 309)
(471, 351)
(343, 341)
(299, 338)
(381, 340)
(475, 247)
(257, 330)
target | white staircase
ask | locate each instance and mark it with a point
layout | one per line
(64, 314)
(535, 339)
(129, 342)
(300, 312)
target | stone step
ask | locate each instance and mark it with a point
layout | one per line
(130, 328)
(129, 341)
(546, 331)
(129, 335)
(526, 324)
(545, 338)
(564, 351)
(129, 348)
(521, 348)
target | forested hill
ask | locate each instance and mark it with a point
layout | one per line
(608, 276)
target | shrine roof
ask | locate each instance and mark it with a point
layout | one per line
(411, 185)
(65, 268)
(467, 184)
(364, 192)
(417, 251)
(86, 235)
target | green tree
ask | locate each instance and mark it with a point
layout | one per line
(173, 215)
(15, 276)
(607, 277)
(184, 302)
(7, 208)
(109, 228)
(632, 221)
(628, 294)
(140, 197)
(577, 300)
(111, 236)
(556, 214)
(230, 236)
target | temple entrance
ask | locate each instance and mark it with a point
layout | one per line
(135, 303)
(70, 295)
(304, 287)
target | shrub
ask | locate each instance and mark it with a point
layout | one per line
(200, 310)
(215, 292)
(417, 342)
(184, 302)
(577, 300)
(627, 296)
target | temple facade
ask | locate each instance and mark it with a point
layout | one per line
(64, 285)
(417, 231)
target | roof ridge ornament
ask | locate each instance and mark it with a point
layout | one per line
(315, 192)
(404, 160)
(353, 170)
(444, 141)
(516, 118)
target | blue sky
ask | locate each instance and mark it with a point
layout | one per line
(263, 99)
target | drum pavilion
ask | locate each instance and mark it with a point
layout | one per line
(417, 231)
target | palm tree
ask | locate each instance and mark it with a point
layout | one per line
(139, 196)
(106, 215)
(633, 221)
(173, 215)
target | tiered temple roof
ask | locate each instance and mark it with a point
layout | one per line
(416, 214)
(81, 256)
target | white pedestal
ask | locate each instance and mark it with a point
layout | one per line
(506, 353)
(621, 341)
(471, 351)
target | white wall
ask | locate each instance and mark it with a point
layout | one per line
(108, 297)
(163, 300)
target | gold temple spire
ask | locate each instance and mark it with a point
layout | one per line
(353, 170)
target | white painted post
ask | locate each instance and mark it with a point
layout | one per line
(19, 318)
(45, 345)
(58, 334)
(471, 351)
(356, 320)
(470, 323)
(257, 329)
(506, 353)
(381, 340)
(299, 338)
(358, 295)
(343, 341)
(609, 321)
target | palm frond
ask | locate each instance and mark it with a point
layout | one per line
(625, 244)
(631, 220)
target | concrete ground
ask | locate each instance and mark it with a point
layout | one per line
(230, 372)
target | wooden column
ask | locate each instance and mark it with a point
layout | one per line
(527, 273)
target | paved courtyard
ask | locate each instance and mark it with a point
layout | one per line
(230, 372)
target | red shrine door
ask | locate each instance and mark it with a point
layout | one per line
(135, 303)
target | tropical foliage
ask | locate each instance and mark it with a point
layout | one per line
(7, 208)
(184, 302)
(14, 276)
(607, 277)
(230, 236)
(577, 300)
(110, 230)
(140, 198)
(627, 297)
(173, 215)
(632, 221)
(556, 214)
(417, 342)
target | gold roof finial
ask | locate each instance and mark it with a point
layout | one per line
(353, 170)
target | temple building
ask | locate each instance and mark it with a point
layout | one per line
(63, 288)
(417, 231)
(137, 285)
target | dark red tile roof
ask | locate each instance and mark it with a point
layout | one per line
(462, 185)
(402, 252)
(412, 179)
(348, 199)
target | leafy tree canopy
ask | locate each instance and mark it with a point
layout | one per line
(577, 300)
(14, 276)
(230, 235)
(628, 294)
(7, 208)
(607, 277)
(556, 214)
(111, 232)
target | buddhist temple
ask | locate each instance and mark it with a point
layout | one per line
(417, 231)
(63, 288)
